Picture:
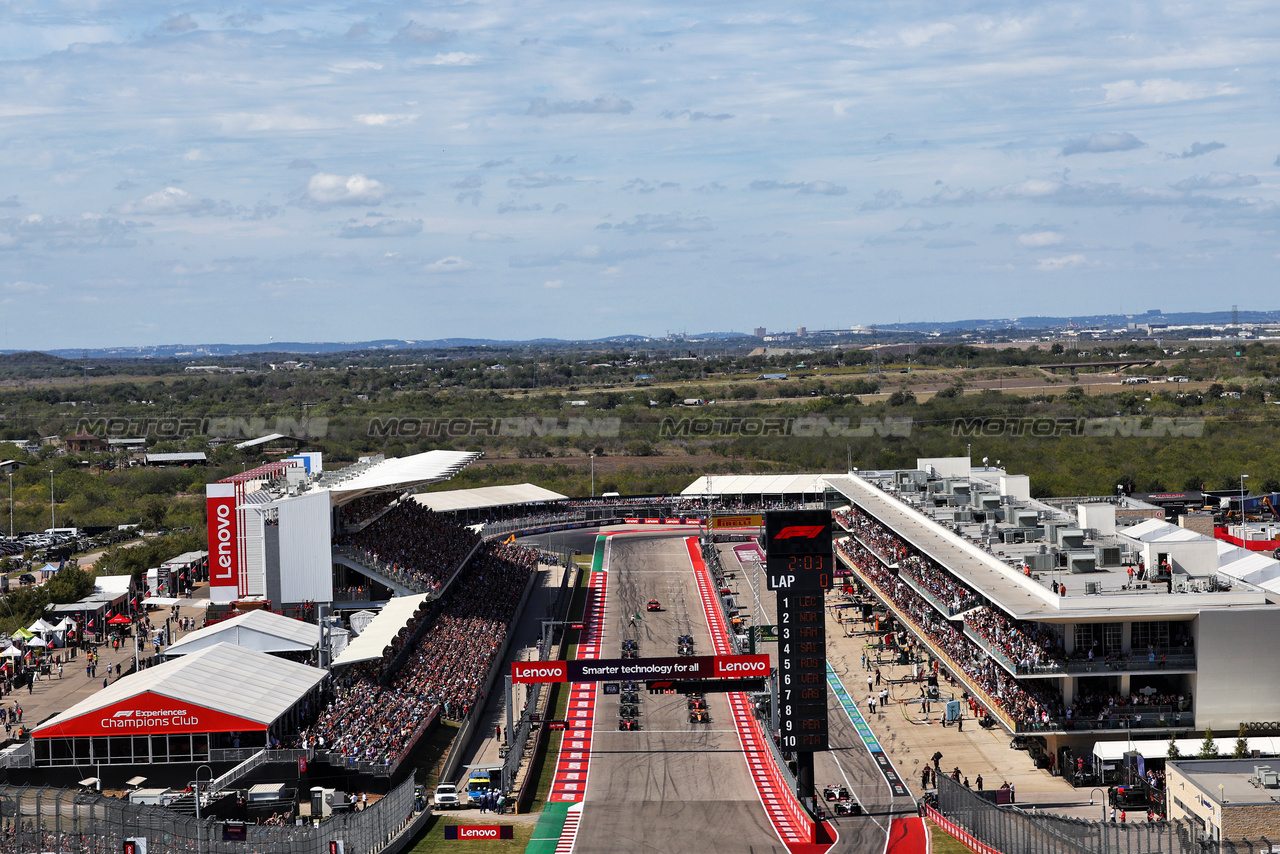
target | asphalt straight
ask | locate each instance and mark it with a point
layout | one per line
(847, 762)
(673, 786)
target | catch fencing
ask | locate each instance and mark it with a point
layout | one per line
(77, 821)
(1011, 829)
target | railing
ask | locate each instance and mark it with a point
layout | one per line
(918, 586)
(257, 760)
(45, 819)
(20, 756)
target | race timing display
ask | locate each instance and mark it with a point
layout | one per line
(799, 564)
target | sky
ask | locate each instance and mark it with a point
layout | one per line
(192, 173)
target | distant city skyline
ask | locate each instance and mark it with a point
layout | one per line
(319, 171)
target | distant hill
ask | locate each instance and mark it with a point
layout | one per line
(30, 359)
(57, 359)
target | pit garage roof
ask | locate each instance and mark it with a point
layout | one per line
(402, 473)
(181, 457)
(258, 630)
(487, 496)
(393, 617)
(226, 679)
(756, 484)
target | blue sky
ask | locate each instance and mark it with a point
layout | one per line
(308, 171)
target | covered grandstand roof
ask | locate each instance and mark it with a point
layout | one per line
(393, 617)
(223, 688)
(400, 473)
(756, 484)
(259, 630)
(487, 496)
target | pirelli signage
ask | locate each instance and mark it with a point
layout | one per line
(798, 565)
(730, 523)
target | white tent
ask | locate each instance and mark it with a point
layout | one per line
(11, 652)
(40, 627)
(36, 642)
(66, 625)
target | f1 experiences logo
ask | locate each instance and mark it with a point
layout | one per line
(149, 719)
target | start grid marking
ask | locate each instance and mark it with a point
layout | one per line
(778, 803)
(573, 765)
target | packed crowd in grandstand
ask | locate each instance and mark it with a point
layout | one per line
(365, 507)
(1034, 703)
(956, 595)
(415, 540)
(376, 714)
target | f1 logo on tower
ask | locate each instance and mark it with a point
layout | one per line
(807, 532)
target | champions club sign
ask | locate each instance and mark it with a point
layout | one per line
(147, 714)
(224, 542)
(639, 669)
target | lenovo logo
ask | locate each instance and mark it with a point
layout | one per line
(539, 671)
(807, 532)
(741, 665)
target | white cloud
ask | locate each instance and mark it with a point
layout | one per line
(542, 108)
(453, 58)
(554, 284)
(1216, 181)
(169, 201)
(326, 189)
(383, 227)
(1102, 143)
(1065, 262)
(450, 264)
(1038, 239)
(919, 36)
(1163, 91)
(351, 66)
(386, 119)
(489, 237)
(281, 120)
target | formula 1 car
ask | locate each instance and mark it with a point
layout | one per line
(846, 807)
(835, 793)
(630, 653)
(631, 687)
(629, 697)
(685, 649)
(628, 710)
(628, 725)
(697, 703)
(654, 605)
(630, 643)
(699, 716)
(685, 640)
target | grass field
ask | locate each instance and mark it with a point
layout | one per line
(943, 842)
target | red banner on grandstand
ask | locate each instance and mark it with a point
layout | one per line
(147, 714)
(224, 542)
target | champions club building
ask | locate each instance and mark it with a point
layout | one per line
(214, 705)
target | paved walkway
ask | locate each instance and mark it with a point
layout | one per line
(50, 695)
(910, 737)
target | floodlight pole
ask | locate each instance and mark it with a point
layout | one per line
(11, 505)
(1242, 477)
(593, 475)
(52, 522)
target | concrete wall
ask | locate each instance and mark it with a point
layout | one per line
(1237, 668)
(1100, 517)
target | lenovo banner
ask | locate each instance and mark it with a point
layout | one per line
(224, 542)
(642, 669)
